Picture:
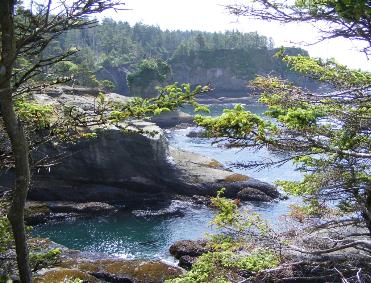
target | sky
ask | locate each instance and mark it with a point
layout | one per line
(210, 15)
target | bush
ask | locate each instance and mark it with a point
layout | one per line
(39, 261)
(6, 236)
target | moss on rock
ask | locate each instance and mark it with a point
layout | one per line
(144, 271)
(215, 164)
(136, 270)
(235, 178)
(59, 275)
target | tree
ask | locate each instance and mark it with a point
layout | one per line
(200, 41)
(327, 135)
(334, 18)
(25, 124)
(25, 33)
(150, 71)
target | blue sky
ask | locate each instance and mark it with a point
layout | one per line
(210, 15)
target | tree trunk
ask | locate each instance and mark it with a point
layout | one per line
(14, 129)
(16, 212)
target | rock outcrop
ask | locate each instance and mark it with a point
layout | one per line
(187, 251)
(131, 168)
(88, 267)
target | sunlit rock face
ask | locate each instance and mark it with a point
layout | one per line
(128, 168)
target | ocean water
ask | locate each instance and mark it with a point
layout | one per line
(148, 233)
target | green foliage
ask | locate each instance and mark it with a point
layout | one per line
(329, 71)
(34, 113)
(6, 236)
(75, 280)
(231, 249)
(42, 260)
(170, 97)
(327, 135)
(234, 122)
(217, 266)
(107, 85)
(149, 71)
(349, 10)
(111, 46)
(233, 219)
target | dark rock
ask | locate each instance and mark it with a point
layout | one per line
(201, 200)
(188, 248)
(86, 207)
(172, 119)
(196, 134)
(187, 261)
(37, 212)
(111, 278)
(251, 194)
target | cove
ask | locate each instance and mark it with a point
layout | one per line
(148, 233)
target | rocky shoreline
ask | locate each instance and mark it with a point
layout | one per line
(129, 169)
(117, 171)
(88, 267)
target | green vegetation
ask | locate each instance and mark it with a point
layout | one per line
(42, 260)
(111, 49)
(6, 237)
(216, 267)
(326, 134)
(75, 280)
(234, 249)
(150, 71)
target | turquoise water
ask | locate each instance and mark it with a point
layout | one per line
(148, 233)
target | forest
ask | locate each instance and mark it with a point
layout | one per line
(111, 51)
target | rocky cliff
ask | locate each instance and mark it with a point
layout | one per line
(229, 71)
(129, 168)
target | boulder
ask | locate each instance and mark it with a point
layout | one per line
(188, 248)
(172, 119)
(187, 261)
(251, 194)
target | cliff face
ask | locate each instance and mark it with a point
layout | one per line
(127, 168)
(229, 71)
(221, 78)
(113, 167)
